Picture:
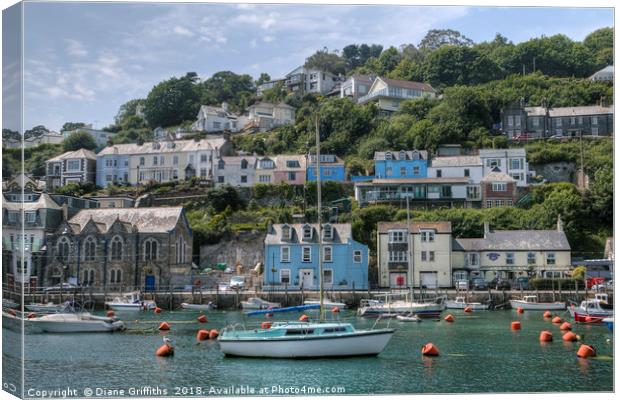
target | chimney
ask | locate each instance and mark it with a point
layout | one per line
(560, 224)
(225, 106)
(486, 228)
(65, 212)
(269, 227)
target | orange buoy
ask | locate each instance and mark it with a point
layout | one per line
(32, 315)
(557, 320)
(569, 337)
(519, 310)
(165, 351)
(12, 312)
(213, 334)
(335, 310)
(449, 318)
(203, 334)
(586, 351)
(157, 310)
(164, 326)
(202, 319)
(546, 336)
(565, 326)
(303, 318)
(429, 349)
(468, 309)
(515, 325)
(269, 315)
(110, 314)
(547, 314)
(265, 325)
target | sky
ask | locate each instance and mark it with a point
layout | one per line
(83, 60)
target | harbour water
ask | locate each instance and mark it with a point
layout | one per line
(479, 354)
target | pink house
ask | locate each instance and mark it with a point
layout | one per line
(290, 169)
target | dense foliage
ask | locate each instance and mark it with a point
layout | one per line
(79, 140)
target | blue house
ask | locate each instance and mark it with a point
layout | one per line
(291, 257)
(112, 166)
(401, 164)
(332, 168)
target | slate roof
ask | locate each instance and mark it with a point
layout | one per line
(497, 176)
(405, 181)
(281, 162)
(380, 155)
(342, 234)
(494, 153)
(425, 87)
(236, 160)
(416, 226)
(81, 153)
(456, 161)
(44, 201)
(179, 146)
(525, 240)
(569, 111)
(145, 220)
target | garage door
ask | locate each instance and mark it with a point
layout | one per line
(398, 279)
(428, 279)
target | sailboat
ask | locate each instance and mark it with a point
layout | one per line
(303, 339)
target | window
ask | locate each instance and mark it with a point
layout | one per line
(531, 258)
(306, 254)
(264, 178)
(155, 159)
(328, 276)
(327, 172)
(594, 131)
(116, 275)
(357, 256)
(88, 277)
(466, 172)
(489, 203)
(499, 186)
(162, 160)
(388, 155)
(427, 236)
(518, 122)
(510, 120)
(116, 249)
(108, 162)
(431, 256)
(572, 120)
(203, 157)
(217, 125)
(286, 232)
(558, 122)
(221, 164)
(517, 177)
(292, 176)
(397, 256)
(516, 163)
(108, 178)
(594, 120)
(499, 203)
(307, 232)
(438, 173)
(416, 170)
(580, 120)
(244, 164)
(175, 160)
(494, 162)
(203, 172)
(244, 179)
(550, 258)
(142, 161)
(403, 171)
(423, 256)
(473, 192)
(510, 258)
(175, 174)
(472, 259)
(31, 216)
(535, 122)
(328, 232)
(285, 254)
(220, 179)
(90, 248)
(399, 236)
(73, 165)
(292, 164)
(285, 276)
(388, 171)
(150, 250)
(327, 254)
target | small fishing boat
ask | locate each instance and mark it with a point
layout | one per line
(326, 303)
(592, 310)
(74, 323)
(377, 308)
(609, 322)
(198, 307)
(46, 308)
(459, 303)
(531, 303)
(409, 318)
(131, 302)
(256, 303)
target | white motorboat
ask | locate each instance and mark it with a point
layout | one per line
(131, 302)
(593, 310)
(459, 303)
(8, 303)
(46, 308)
(256, 303)
(73, 323)
(327, 303)
(531, 303)
(409, 318)
(382, 308)
(198, 307)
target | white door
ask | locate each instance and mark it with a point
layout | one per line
(428, 279)
(398, 279)
(306, 277)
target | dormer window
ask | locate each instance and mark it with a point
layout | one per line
(415, 155)
(286, 232)
(402, 155)
(388, 155)
(328, 232)
(307, 232)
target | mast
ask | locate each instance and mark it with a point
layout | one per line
(409, 252)
(318, 196)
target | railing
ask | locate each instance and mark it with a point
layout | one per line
(392, 92)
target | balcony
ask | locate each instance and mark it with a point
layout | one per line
(398, 93)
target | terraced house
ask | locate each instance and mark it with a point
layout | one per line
(71, 167)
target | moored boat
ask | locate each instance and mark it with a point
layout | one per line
(130, 302)
(256, 303)
(198, 307)
(408, 318)
(74, 323)
(8, 303)
(376, 308)
(46, 308)
(326, 303)
(609, 322)
(531, 303)
(592, 310)
(459, 303)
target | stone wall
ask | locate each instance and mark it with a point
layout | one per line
(244, 247)
(556, 172)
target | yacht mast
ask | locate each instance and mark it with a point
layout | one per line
(318, 196)
(409, 252)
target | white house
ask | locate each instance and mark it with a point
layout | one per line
(267, 116)
(309, 80)
(236, 171)
(356, 86)
(215, 119)
(604, 75)
(511, 161)
(389, 93)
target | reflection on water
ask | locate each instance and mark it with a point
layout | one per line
(478, 353)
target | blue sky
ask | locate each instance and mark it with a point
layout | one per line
(83, 60)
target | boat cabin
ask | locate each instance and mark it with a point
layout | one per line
(530, 299)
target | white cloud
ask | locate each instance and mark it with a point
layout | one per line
(253, 43)
(268, 39)
(182, 31)
(76, 48)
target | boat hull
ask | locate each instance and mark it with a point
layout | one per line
(609, 322)
(45, 308)
(130, 306)
(590, 317)
(366, 343)
(326, 304)
(200, 307)
(558, 305)
(455, 305)
(422, 311)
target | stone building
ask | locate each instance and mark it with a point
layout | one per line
(122, 249)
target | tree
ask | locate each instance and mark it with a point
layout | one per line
(435, 38)
(458, 65)
(36, 131)
(10, 134)
(226, 86)
(264, 77)
(602, 194)
(79, 140)
(129, 109)
(323, 60)
(600, 39)
(388, 60)
(71, 126)
(355, 55)
(172, 101)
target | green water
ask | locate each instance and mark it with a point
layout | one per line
(479, 353)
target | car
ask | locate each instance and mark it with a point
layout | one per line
(237, 282)
(523, 283)
(590, 282)
(223, 287)
(607, 285)
(479, 284)
(461, 285)
(65, 287)
(500, 284)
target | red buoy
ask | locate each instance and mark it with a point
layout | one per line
(515, 325)
(164, 326)
(269, 315)
(569, 337)
(157, 310)
(565, 326)
(519, 310)
(429, 349)
(468, 309)
(586, 351)
(203, 334)
(165, 350)
(547, 314)
(32, 315)
(557, 320)
(546, 336)
(449, 318)
(202, 319)
(110, 313)
(303, 318)
(213, 334)
(335, 310)
(265, 325)
(12, 312)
